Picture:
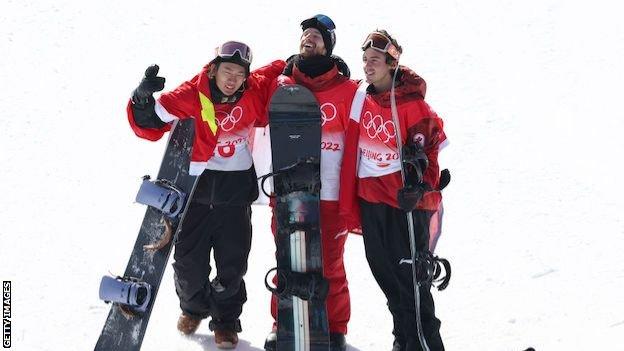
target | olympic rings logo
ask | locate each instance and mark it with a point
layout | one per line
(229, 120)
(328, 112)
(377, 128)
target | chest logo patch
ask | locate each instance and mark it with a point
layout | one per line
(377, 128)
(227, 121)
(328, 112)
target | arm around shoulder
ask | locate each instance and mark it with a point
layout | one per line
(270, 71)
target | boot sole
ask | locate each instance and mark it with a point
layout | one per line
(226, 346)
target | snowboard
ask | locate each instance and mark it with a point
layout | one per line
(124, 331)
(295, 129)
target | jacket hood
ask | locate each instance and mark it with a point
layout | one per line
(409, 86)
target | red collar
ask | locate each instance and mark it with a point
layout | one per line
(410, 86)
(323, 82)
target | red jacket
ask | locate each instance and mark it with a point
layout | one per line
(371, 170)
(224, 127)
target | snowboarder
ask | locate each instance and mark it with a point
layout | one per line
(375, 167)
(327, 76)
(226, 102)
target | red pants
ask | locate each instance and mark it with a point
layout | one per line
(333, 237)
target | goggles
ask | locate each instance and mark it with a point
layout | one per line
(322, 20)
(381, 43)
(326, 22)
(230, 48)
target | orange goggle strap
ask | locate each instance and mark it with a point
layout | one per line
(382, 43)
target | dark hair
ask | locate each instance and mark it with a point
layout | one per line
(236, 58)
(390, 59)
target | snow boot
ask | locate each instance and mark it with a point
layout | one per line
(226, 339)
(187, 325)
(397, 345)
(270, 344)
(337, 342)
(225, 332)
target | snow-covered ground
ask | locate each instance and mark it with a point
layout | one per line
(530, 93)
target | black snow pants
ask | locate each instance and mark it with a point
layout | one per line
(218, 222)
(225, 230)
(386, 241)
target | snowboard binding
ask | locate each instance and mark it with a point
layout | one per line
(432, 270)
(302, 175)
(163, 195)
(130, 294)
(307, 286)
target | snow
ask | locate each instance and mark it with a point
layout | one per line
(530, 93)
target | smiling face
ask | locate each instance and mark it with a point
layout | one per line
(229, 77)
(311, 43)
(376, 70)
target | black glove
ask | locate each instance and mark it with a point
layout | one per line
(143, 102)
(445, 179)
(415, 162)
(150, 84)
(409, 196)
(342, 66)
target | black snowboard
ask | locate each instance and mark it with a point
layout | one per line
(124, 332)
(295, 123)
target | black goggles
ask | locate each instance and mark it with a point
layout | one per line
(320, 20)
(381, 43)
(230, 48)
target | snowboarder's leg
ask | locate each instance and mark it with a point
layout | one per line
(431, 324)
(192, 261)
(377, 248)
(334, 236)
(232, 242)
